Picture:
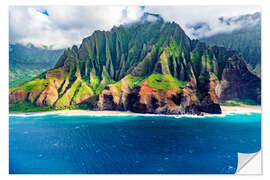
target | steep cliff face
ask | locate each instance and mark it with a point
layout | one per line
(147, 99)
(238, 82)
(246, 39)
(147, 67)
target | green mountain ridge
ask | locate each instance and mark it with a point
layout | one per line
(148, 67)
(246, 40)
(28, 61)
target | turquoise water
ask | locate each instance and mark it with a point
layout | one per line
(131, 144)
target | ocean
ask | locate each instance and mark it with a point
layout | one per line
(130, 144)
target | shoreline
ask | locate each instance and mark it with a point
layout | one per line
(77, 112)
(243, 109)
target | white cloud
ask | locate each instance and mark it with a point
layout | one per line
(65, 25)
(188, 15)
(68, 25)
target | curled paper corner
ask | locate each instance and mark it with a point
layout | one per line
(249, 163)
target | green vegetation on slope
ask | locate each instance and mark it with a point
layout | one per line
(238, 102)
(206, 60)
(246, 40)
(63, 101)
(73, 88)
(26, 62)
(118, 85)
(174, 49)
(83, 90)
(196, 60)
(37, 84)
(135, 81)
(159, 52)
(100, 88)
(24, 106)
(165, 82)
(69, 94)
(94, 81)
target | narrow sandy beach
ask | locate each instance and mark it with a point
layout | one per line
(225, 110)
(77, 113)
(241, 109)
(96, 113)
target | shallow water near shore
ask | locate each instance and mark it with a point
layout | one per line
(131, 144)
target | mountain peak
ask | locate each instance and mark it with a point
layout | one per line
(150, 17)
(148, 66)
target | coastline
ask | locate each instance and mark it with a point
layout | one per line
(76, 113)
(243, 109)
(94, 113)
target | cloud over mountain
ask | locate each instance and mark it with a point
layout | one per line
(203, 21)
(63, 26)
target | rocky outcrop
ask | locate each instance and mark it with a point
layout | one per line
(208, 106)
(19, 95)
(238, 82)
(210, 102)
(109, 99)
(33, 95)
(115, 98)
(145, 99)
(48, 97)
(147, 67)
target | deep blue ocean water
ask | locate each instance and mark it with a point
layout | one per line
(60, 144)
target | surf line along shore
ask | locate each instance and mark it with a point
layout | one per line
(225, 110)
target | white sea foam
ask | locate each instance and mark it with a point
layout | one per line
(31, 114)
(118, 113)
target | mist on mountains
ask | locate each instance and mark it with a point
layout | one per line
(203, 29)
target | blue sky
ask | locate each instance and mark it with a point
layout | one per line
(45, 12)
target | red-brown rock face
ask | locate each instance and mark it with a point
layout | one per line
(212, 93)
(19, 95)
(145, 99)
(48, 96)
